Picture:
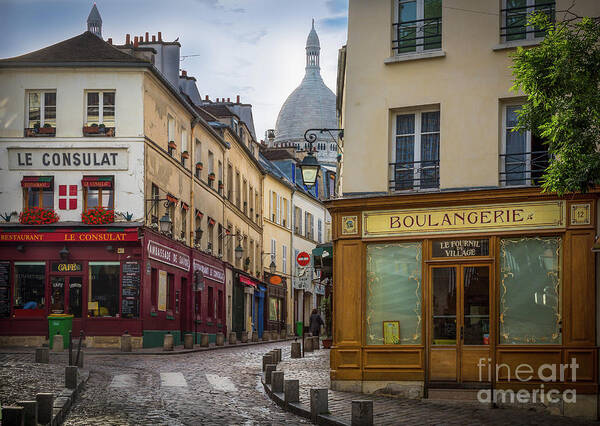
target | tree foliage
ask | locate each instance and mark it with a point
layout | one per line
(561, 78)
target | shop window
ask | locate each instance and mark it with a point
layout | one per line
(394, 293)
(30, 285)
(274, 309)
(103, 289)
(100, 108)
(98, 191)
(211, 306)
(530, 311)
(170, 292)
(154, 288)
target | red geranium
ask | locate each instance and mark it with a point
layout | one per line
(97, 216)
(38, 216)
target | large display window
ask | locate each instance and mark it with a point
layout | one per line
(30, 288)
(394, 293)
(103, 290)
(530, 311)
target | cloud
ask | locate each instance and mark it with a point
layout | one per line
(253, 37)
(337, 6)
(217, 4)
(334, 23)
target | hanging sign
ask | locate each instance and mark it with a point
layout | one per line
(168, 255)
(478, 218)
(303, 258)
(210, 271)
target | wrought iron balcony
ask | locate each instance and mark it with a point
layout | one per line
(515, 21)
(417, 35)
(414, 175)
(524, 168)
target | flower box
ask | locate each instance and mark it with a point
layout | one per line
(47, 130)
(38, 216)
(172, 145)
(98, 216)
(199, 166)
(91, 130)
(185, 155)
(211, 176)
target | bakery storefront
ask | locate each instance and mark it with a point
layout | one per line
(275, 315)
(488, 290)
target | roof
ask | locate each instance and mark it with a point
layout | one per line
(244, 111)
(218, 110)
(313, 39)
(274, 154)
(85, 47)
(275, 171)
(94, 15)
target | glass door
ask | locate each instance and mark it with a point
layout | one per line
(444, 344)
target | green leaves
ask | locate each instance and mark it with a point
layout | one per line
(561, 78)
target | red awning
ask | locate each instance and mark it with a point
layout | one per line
(172, 198)
(211, 221)
(247, 281)
(37, 181)
(184, 206)
(199, 214)
(97, 182)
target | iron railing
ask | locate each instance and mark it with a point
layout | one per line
(417, 35)
(414, 175)
(515, 21)
(523, 168)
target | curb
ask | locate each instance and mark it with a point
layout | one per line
(66, 399)
(181, 352)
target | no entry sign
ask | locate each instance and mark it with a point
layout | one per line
(303, 258)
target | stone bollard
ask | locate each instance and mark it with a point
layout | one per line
(318, 403)
(58, 343)
(362, 413)
(277, 381)
(296, 351)
(13, 416)
(255, 337)
(188, 341)
(42, 355)
(266, 359)
(291, 391)
(279, 358)
(29, 412)
(168, 342)
(273, 356)
(71, 376)
(308, 347)
(244, 337)
(232, 338)
(204, 341)
(283, 335)
(270, 368)
(220, 339)
(266, 336)
(126, 342)
(45, 403)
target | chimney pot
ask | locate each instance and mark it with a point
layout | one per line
(206, 98)
(153, 38)
(228, 99)
(135, 39)
(238, 99)
(147, 37)
(159, 36)
(127, 39)
(109, 40)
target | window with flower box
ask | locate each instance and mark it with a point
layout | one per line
(41, 116)
(100, 113)
(38, 191)
(98, 191)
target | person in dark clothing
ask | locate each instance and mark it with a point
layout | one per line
(315, 323)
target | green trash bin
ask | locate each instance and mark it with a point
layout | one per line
(299, 328)
(60, 324)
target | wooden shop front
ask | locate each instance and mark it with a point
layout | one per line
(459, 289)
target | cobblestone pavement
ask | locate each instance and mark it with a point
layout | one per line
(313, 371)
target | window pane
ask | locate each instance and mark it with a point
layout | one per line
(407, 28)
(515, 160)
(93, 100)
(430, 148)
(530, 291)
(516, 19)
(48, 199)
(394, 291)
(33, 197)
(30, 284)
(476, 305)
(444, 306)
(108, 109)
(34, 109)
(57, 295)
(75, 296)
(104, 289)
(108, 198)
(92, 198)
(432, 25)
(50, 109)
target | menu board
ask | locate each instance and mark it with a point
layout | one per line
(130, 290)
(4, 289)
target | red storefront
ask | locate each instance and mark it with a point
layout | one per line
(112, 278)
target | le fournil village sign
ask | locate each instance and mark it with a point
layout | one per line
(477, 218)
(67, 158)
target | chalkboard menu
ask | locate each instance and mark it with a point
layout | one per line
(460, 248)
(130, 290)
(4, 289)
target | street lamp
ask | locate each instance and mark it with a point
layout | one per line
(272, 267)
(64, 253)
(239, 252)
(310, 169)
(165, 223)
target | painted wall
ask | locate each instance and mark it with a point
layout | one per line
(70, 86)
(468, 84)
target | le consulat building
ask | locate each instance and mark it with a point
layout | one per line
(449, 260)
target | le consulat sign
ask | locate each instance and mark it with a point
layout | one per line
(67, 158)
(479, 218)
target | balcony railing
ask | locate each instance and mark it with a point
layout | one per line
(417, 35)
(515, 21)
(414, 175)
(524, 168)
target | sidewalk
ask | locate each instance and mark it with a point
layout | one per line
(178, 350)
(313, 372)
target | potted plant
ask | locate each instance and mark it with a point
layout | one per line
(221, 186)
(47, 129)
(199, 165)
(97, 216)
(172, 145)
(101, 128)
(326, 310)
(38, 216)
(211, 176)
(185, 155)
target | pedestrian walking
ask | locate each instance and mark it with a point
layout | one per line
(315, 323)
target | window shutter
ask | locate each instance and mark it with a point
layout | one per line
(62, 203)
(62, 190)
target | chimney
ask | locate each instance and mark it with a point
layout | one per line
(228, 99)
(147, 37)
(207, 98)
(127, 39)
(160, 36)
(237, 100)
(135, 41)
(153, 38)
(109, 40)
(183, 73)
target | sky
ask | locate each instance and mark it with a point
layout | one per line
(251, 48)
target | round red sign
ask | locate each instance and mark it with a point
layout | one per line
(303, 258)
